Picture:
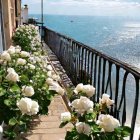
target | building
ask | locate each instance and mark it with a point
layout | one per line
(10, 18)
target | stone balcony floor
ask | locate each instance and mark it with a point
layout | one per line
(46, 127)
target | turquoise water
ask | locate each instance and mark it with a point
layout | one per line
(116, 36)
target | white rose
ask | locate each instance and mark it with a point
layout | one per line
(32, 60)
(49, 67)
(10, 70)
(106, 100)
(28, 106)
(24, 54)
(5, 56)
(21, 61)
(11, 50)
(34, 108)
(75, 103)
(90, 110)
(27, 90)
(17, 49)
(84, 128)
(79, 88)
(49, 73)
(32, 67)
(49, 81)
(1, 129)
(107, 122)
(81, 105)
(37, 59)
(89, 90)
(12, 75)
(56, 87)
(65, 117)
(25, 105)
(1, 61)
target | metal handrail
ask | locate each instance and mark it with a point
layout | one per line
(87, 65)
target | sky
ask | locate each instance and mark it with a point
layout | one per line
(86, 7)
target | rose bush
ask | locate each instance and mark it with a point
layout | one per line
(91, 120)
(24, 91)
(28, 37)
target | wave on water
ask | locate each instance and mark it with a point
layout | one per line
(132, 25)
(124, 44)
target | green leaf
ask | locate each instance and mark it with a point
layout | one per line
(15, 88)
(63, 124)
(84, 137)
(10, 134)
(7, 102)
(24, 78)
(13, 121)
(71, 135)
(2, 91)
(126, 131)
(123, 131)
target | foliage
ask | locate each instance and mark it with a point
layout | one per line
(28, 37)
(24, 91)
(92, 120)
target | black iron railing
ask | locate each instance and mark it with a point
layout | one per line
(108, 75)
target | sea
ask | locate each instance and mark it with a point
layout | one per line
(116, 36)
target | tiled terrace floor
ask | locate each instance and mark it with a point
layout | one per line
(47, 127)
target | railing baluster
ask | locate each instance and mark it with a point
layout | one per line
(77, 63)
(82, 63)
(95, 69)
(103, 75)
(116, 91)
(123, 98)
(135, 110)
(109, 77)
(99, 75)
(85, 68)
(79, 50)
(91, 69)
(88, 67)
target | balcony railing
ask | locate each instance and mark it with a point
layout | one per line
(86, 65)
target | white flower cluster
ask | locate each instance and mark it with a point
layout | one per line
(89, 90)
(108, 122)
(12, 75)
(83, 104)
(83, 128)
(105, 100)
(13, 50)
(65, 117)
(31, 33)
(5, 56)
(21, 61)
(28, 106)
(56, 87)
(28, 91)
(1, 129)
(24, 54)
